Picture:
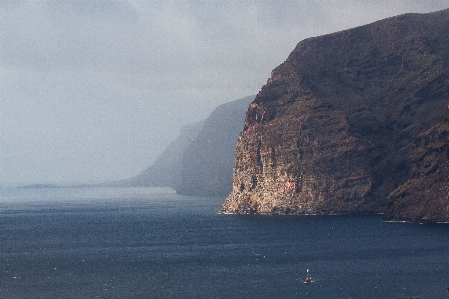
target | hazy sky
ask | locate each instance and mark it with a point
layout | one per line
(95, 90)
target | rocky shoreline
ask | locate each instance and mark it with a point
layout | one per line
(340, 126)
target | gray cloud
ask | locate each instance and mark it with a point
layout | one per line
(95, 90)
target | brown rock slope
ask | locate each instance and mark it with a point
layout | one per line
(332, 130)
(425, 197)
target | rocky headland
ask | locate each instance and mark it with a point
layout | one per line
(208, 160)
(349, 120)
(166, 171)
(200, 160)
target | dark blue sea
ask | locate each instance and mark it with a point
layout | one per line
(152, 243)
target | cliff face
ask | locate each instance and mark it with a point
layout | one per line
(332, 130)
(200, 160)
(425, 196)
(208, 160)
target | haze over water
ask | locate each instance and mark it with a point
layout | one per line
(95, 91)
(152, 243)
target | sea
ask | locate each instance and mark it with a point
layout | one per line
(152, 243)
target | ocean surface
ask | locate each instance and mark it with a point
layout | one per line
(153, 243)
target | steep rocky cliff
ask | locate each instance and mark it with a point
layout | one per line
(332, 130)
(425, 196)
(208, 161)
(200, 160)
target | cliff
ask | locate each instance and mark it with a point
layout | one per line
(207, 162)
(332, 131)
(166, 171)
(200, 160)
(425, 196)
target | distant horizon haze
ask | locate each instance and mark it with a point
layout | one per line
(94, 91)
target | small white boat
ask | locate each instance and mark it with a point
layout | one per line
(308, 278)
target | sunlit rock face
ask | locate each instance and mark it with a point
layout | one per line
(332, 130)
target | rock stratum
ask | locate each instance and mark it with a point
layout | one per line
(425, 196)
(333, 130)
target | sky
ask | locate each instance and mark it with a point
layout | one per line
(94, 91)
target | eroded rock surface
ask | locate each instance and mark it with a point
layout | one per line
(425, 196)
(332, 130)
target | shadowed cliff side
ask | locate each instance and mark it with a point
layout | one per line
(332, 130)
(207, 162)
(200, 160)
(425, 196)
(167, 169)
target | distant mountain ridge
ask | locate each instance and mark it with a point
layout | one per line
(200, 160)
(166, 171)
(332, 131)
(208, 161)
